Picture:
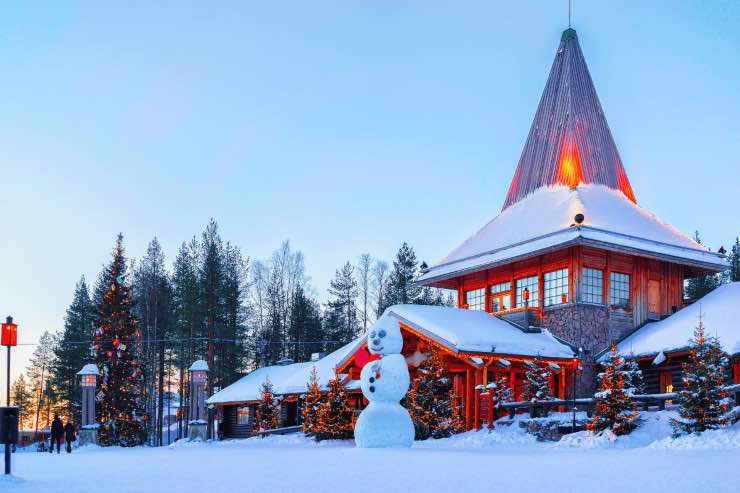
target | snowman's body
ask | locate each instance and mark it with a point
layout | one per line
(384, 382)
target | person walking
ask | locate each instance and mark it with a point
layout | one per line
(57, 434)
(69, 435)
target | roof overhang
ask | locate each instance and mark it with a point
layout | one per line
(582, 235)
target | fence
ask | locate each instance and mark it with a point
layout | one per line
(539, 409)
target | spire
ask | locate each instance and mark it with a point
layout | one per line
(569, 142)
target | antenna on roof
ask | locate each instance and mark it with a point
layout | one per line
(569, 6)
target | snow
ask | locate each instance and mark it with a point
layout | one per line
(719, 310)
(476, 331)
(199, 365)
(286, 379)
(89, 369)
(544, 220)
(645, 460)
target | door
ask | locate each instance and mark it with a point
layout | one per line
(654, 297)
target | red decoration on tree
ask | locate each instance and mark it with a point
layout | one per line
(120, 394)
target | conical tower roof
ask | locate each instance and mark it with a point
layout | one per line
(569, 142)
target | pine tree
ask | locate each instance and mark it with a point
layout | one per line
(24, 400)
(633, 380)
(267, 416)
(502, 391)
(186, 314)
(614, 409)
(72, 353)
(233, 355)
(312, 402)
(537, 381)
(211, 285)
(401, 288)
(336, 416)
(343, 288)
(121, 385)
(364, 283)
(305, 329)
(733, 274)
(703, 401)
(697, 287)
(430, 400)
(38, 372)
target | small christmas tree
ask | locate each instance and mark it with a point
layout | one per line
(120, 409)
(633, 381)
(336, 416)
(703, 401)
(614, 409)
(312, 402)
(267, 416)
(430, 401)
(501, 392)
(537, 381)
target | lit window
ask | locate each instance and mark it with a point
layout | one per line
(532, 287)
(619, 289)
(556, 287)
(476, 299)
(242, 415)
(593, 286)
(501, 297)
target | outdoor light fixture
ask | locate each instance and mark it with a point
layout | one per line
(9, 333)
(579, 218)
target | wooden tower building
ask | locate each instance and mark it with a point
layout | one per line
(572, 251)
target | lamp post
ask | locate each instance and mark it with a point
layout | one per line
(575, 372)
(8, 338)
(198, 417)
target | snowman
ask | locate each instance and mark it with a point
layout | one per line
(384, 382)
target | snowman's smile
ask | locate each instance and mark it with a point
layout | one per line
(377, 348)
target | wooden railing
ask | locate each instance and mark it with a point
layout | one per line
(540, 409)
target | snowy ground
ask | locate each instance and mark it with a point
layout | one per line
(505, 460)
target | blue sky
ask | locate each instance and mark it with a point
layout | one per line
(343, 126)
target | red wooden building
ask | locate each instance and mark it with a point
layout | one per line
(572, 251)
(571, 263)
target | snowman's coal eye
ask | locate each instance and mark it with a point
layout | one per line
(372, 334)
(381, 333)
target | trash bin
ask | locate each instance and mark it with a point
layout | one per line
(9, 425)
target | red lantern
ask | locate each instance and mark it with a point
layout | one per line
(9, 333)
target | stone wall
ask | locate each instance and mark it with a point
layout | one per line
(590, 327)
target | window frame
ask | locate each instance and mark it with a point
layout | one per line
(498, 292)
(480, 299)
(558, 287)
(620, 302)
(598, 288)
(534, 291)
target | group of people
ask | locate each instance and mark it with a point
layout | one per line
(60, 433)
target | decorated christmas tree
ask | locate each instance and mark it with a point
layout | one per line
(121, 390)
(267, 416)
(336, 415)
(614, 409)
(537, 381)
(703, 401)
(430, 401)
(501, 391)
(632, 374)
(312, 401)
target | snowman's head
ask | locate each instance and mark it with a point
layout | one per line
(385, 337)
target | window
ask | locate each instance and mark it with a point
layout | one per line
(593, 286)
(242, 415)
(476, 299)
(501, 297)
(532, 285)
(556, 287)
(619, 289)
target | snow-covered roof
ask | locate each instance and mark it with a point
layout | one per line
(89, 369)
(286, 379)
(545, 220)
(719, 310)
(476, 331)
(199, 365)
